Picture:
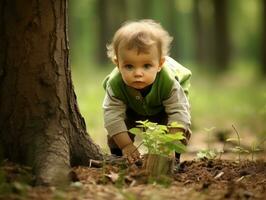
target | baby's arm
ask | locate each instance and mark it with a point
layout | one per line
(178, 110)
(129, 150)
(114, 122)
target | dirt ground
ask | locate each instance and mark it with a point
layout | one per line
(219, 179)
(210, 179)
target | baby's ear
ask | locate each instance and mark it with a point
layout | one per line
(161, 62)
(115, 61)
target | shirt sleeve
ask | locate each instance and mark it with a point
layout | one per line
(177, 107)
(114, 113)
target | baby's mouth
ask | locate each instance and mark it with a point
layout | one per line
(138, 82)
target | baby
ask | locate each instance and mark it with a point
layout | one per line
(146, 84)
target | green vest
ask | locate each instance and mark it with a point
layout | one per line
(151, 104)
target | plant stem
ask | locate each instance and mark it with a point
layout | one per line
(223, 149)
(138, 147)
(238, 138)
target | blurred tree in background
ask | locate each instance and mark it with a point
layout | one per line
(221, 39)
(111, 15)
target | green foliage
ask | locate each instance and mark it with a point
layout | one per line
(238, 148)
(19, 187)
(120, 182)
(208, 154)
(256, 147)
(208, 131)
(156, 139)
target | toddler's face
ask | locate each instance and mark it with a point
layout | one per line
(139, 70)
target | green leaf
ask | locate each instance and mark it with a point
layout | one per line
(135, 131)
(156, 140)
(173, 137)
(257, 149)
(209, 129)
(163, 128)
(177, 147)
(231, 139)
(207, 154)
(240, 149)
(176, 125)
(151, 124)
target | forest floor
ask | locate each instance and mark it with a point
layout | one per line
(225, 177)
(192, 179)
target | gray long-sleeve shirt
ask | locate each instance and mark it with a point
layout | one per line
(176, 107)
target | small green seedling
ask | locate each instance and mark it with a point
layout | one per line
(238, 148)
(256, 147)
(156, 139)
(221, 151)
(161, 144)
(208, 153)
(209, 131)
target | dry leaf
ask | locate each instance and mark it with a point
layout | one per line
(113, 176)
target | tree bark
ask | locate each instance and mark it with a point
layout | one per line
(200, 43)
(222, 42)
(40, 123)
(111, 15)
(263, 50)
(172, 19)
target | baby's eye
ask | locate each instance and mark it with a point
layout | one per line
(147, 66)
(128, 66)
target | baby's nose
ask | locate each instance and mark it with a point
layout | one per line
(138, 72)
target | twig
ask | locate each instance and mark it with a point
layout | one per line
(109, 159)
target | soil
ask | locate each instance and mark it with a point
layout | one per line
(193, 180)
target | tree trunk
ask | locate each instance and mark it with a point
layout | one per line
(40, 124)
(144, 9)
(111, 15)
(263, 57)
(172, 18)
(201, 45)
(222, 43)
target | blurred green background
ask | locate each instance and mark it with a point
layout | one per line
(223, 42)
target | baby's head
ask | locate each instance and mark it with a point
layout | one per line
(141, 36)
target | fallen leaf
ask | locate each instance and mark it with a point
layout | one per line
(113, 176)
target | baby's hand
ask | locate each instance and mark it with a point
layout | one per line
(131, 153)
(185, 133)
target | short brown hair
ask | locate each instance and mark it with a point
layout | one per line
(140, 35)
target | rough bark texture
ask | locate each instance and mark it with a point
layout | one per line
(40, 123)
(263, 54)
